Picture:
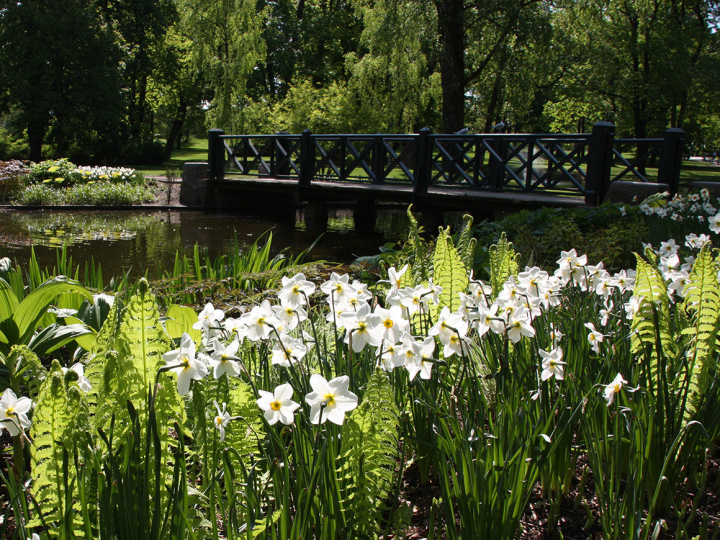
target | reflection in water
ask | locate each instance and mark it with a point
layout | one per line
(144, 239)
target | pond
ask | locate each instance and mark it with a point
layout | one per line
(147, 239)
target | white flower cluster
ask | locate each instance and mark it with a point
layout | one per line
(694, 206)
(105, 174)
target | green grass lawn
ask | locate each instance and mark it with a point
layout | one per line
(196, 150)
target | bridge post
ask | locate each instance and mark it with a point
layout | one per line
(216, 164)
(216, 154)
(307, 159)
(599, 165)
(423, 163)
(378, 160)
(671, 159)
(496, 165)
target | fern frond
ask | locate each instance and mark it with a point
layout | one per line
(50, 427)
(702, 303)
(420, 263)
(503, 263)
(651, 323)
(466, 243)
(449, 271)
(370, 451)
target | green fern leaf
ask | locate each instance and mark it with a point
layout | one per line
(370, 445)
(503, 263)
(449, 271)
(50, 427)
(702, 303)
(652, 319)
(466, 243)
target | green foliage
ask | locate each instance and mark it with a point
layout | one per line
(702, 302)
(103, 194)
(60, 421)
(503, 263)
(651, 324)
(370, 440)
(449, 271)
(466, 243)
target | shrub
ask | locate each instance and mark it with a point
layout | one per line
(102, 194)
(12, 178)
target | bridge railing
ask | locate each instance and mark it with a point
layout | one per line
(562, 164)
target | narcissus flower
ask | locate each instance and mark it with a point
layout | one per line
(278, 405)
(185, 364)
(13, 412)
(295, 290)
(552, 364)
(223, 359)
(330, 400)
(595, 338)
(221, 420)
(614, 388)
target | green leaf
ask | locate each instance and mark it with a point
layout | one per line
(180, 319)
(449, 271)
(8, 301)
(35, 305)
(55, 336)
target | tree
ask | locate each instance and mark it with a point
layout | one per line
(58, 63)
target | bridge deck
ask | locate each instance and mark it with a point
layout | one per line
(440, 197)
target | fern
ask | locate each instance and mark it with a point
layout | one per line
(419, 260)
(651, 323)
(503, 264)
(449, 271)
(466, 243)
(370, 443)
(702, 303)
(51, 425)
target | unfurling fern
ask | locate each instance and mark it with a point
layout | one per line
(419, 260)
(370, 446)
(503, 263)
(466, 243)
(651, 323)
(59, 421)
(702, 303)
(449, 271)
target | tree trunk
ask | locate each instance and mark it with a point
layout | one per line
(176, 128)
(36, 132)
(452, 62)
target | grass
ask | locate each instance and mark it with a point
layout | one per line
(196, 150)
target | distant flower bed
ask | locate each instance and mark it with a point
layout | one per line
(12, 175)
(63, 173)
(104, 194)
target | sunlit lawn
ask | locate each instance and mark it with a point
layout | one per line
(195, 150)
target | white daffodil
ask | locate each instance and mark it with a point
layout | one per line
(82, 381)
(518, 325)
(552, 364)
(185, 364)
(392, 355)
(395, 276)
(427, 347)
(13, 412)
(614, 388)
(287, 351)
(236, 328)
(595, 338)
(668, 248)
(337, 287)
(278, 405)
(295, 290)
(224, 359)
(208, 317)
(361, 328)
(330, 400)
(413, 298)
(714, 222)
(487, 319)
(221, 420)
(290, 316)
(389, 322)
(260, 321)
(361, 291)
(449, 325)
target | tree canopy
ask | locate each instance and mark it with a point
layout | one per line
(112, 80)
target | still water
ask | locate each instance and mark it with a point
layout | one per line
(146, 239)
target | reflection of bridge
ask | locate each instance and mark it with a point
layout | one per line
(467, 172)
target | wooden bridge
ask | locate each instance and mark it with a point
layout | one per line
(470, 172)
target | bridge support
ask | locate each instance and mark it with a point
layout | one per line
(316, 216)
(365, 216)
